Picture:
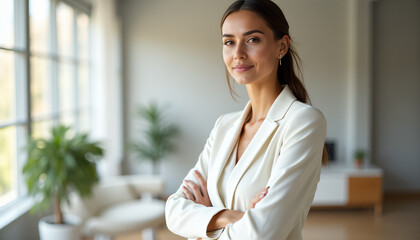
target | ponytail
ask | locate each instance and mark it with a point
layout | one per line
(277, 22)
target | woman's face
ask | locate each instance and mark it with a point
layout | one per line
(249, 50)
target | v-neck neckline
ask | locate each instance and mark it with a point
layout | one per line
(239, 138)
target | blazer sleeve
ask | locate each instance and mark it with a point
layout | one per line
(183, 216)
(292, 183)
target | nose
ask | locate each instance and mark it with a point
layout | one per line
(240, 51)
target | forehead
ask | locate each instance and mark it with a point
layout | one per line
(243, 21)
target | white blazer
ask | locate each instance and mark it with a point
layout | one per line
(284, 154)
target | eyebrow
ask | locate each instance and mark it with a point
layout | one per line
(245, 34)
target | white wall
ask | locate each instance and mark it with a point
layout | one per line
(320, 30)
(173, 56)
(172, 53)
(23, 228)
(396, 97)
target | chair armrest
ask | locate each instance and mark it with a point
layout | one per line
(114, 190)
(146, 184)
(105, 194)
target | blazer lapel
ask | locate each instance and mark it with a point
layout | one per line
(277, 111)
(263, 134)
(229, 143)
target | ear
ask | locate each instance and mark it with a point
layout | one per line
(283, 45)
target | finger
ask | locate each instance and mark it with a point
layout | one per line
(201, 181)
(259, 197)
(195, 189)
(256, 200)
(265, 189)
(252, 204)
(263, 193)
(187, 193)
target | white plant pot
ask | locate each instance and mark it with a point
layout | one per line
(70, 230)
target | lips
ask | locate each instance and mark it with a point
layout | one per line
(242, 67)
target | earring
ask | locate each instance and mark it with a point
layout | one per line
(280, 60)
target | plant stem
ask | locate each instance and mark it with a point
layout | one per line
(57, 211)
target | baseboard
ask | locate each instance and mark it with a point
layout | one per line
(390, 196)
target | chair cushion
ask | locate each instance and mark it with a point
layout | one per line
(126, 217)
(103, 196)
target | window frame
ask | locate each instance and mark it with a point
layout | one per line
(22, 119)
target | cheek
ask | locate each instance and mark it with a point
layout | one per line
(227, 57)
(265, 56)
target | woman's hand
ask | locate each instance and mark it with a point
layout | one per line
(223, 218)
(197, 194)
(258, 197)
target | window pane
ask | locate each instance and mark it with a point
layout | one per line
(84, 125)
(68, 119)
(39, 12)
(65, 30)
(41, 129)
(7, 86)
(66, 87)
(40, 87)
(6, 23)
(84, 93)
(8, 171)
(83, 36)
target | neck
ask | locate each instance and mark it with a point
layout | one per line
(262, 97)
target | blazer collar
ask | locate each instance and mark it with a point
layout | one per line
(281, 105)
(277, 111)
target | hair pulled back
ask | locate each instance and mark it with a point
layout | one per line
(277, 22)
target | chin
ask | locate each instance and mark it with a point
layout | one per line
(242, 80)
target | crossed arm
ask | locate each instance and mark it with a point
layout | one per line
(199, 195)
(280, 214)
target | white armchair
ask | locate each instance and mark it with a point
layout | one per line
(115, 207)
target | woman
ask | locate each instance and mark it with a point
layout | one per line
(258, 172)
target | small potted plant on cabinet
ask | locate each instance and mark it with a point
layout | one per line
(56, 166)
(157, 136)
(359, 155)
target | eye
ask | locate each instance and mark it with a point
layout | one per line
(253, 40)
(228, 42)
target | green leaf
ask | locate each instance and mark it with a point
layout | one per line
(60, 164)
(156, 136)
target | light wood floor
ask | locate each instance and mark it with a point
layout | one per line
(400, 220)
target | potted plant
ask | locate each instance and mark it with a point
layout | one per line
(359, 155)
(56, 166)
(157, 136)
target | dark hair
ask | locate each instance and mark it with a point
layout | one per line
(276, 21)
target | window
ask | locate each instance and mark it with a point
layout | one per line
(41, 86)
(11, 54)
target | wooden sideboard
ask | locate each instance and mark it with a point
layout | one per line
(344, 185)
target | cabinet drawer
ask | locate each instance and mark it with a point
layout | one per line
(365, 190)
